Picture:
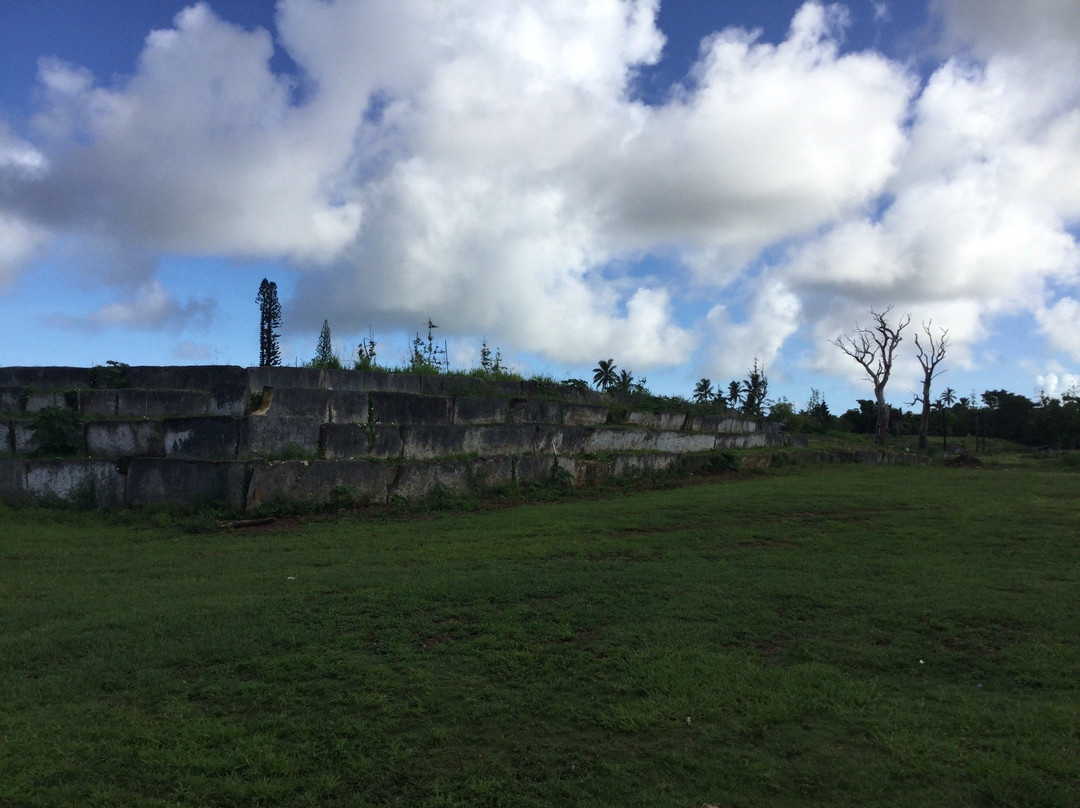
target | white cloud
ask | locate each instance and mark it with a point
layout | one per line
(147, 306)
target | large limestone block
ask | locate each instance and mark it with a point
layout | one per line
(134, 403)
(296, 402)
(613, 439)
(535, 411)
(42, 378)
(682, 442)
(185, 377)
(426, 441)
(101, 403)
(156, 481)
(317, 482)
(270, 436)
(86, 482)
(562, 440)
(209, 438)
(753, 441)
(583, 415)
(349, 407)
(376, 441)
(469, 410)
(125, 439)
(12, 479)
(418, 480)
(403, 408)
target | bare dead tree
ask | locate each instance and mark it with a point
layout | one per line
(874, 348)
(929, 356)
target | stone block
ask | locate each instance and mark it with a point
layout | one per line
(96, 483)
(137, 403)
(317, 482)
(282, 377)
(414, 481)
(426, 441)
(377, 441)
(729, 441)
(491, 472)
(296, 402)
(613, 439)
(35, 400)
(21, 436)
(561, 440)
(155, 481)
(470, 410)
(646, 420)
(629, 465)
(185, 377)
(535, 411)
(583, 415)
(684, 442)
(209, 438)
(100, 403)
(536, 469)
(491, 440)
(349, 407)
(403, 408)
(12, 480)
(45, 378)
(125, 439)
(228, 399)
(11, 399)
(272, 436)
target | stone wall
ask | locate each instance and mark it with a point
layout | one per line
(249, 437)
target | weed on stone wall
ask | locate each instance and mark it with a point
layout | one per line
(55, 432)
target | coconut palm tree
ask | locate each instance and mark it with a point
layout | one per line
(703, 391)
(604, 375)
(734, 394)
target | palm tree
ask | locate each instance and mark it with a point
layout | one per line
(703, 392)
(604, 375)
(734, 394)
(948, 397)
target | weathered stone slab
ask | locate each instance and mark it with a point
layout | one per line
(209, 438)
(301, 402)
(132, 403)
(682, 442)
(611, 439)
(12, 399)
(349, 407)
(561, 440)
(583, 415)
(42, 378)
(282, 377)
(271, 436)
(377, 441)
(125, 439)
(469, 410)
(426, 441)
(418, 480)
(22, 436)
(535, 469)
(627, 465)
(317, 482)
(535, 411)
(727, 441)
(12, 479)
(154, 481)
(35, 400)
(84, 482)
(185, 377)
(403, 408)
(101, 403)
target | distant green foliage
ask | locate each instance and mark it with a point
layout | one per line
(55, 432)
(110, 376)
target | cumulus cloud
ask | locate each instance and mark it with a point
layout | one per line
(488, 165)
(147, 306)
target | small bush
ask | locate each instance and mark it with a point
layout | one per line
(110, 376)
(55, 431)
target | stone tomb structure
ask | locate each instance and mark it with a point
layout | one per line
(248, 438)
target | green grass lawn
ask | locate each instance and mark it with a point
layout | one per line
(834, 636)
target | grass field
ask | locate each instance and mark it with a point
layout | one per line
(836, 636)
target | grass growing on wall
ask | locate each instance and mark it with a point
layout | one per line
(841, 636)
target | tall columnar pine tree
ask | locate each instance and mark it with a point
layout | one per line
(324, 351)
(874, 348)
(269, 322)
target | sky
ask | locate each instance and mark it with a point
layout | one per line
(684, 187)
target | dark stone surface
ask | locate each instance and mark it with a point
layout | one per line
(469, 410)
(81, 482)
(209, 438)
(136, 403)
(317, 482)
(535, 411)
(349, 407)
(271, 436)
(45, 378)
(154, 481)
(185, 377)
(377, 441)
(125, 439)
(403, 408)
(12, 479)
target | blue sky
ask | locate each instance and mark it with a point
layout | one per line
(684, 187)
